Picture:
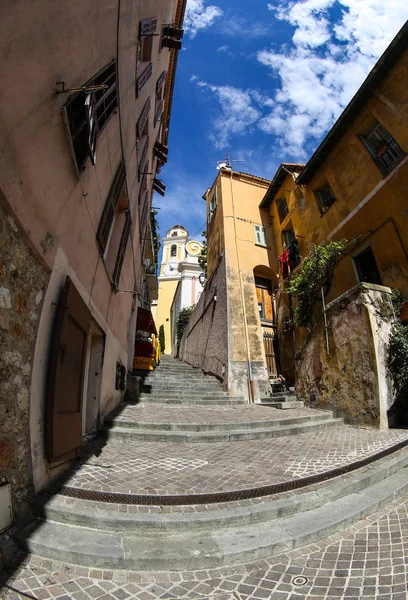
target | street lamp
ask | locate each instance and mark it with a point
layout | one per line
(202, 279)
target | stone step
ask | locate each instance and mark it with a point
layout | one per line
(134, 548)
(133, 423)
(120, 433)
(288, 405)
(191, 399)
(185, 395)
(178, 387)
(277, 398)
(96, 515)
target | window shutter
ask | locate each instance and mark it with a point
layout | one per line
(108, 214)
(160, 82)
(171, 43)
(173, 32)
(143, 118)
(159, 186)
(158, 112)
(142, 161)
(143, 79)
(147, 27)
(263, 235)
(122, 249)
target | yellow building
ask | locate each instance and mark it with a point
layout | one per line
(354, 187)
(236, 227)
(179, 285)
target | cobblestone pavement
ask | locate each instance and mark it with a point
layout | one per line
(368, 560)
(175, 413)
(185, 468)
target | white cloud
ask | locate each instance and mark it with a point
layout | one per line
(238, 26)
(224, 48)
(326, 64)
(199, 17)
(237, 112)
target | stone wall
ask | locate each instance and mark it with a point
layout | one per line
(351, 379)
(205, 341)
(22, 283)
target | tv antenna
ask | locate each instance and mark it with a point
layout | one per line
(226, 162)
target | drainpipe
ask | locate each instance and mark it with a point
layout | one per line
(249, 364)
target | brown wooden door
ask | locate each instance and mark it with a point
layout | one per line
(271, 352)
(66, 380)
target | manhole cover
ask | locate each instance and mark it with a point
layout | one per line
(299, 580)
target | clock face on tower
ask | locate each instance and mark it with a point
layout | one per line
(171, 268)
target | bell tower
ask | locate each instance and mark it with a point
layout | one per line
(174, 252)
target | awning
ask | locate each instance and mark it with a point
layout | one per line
(145, 321)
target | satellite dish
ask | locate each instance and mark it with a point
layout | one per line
(221, 165)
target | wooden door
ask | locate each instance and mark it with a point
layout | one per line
(66, 380)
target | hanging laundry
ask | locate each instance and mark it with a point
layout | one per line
(284, 263)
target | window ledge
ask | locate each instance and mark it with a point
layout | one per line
(262, 246)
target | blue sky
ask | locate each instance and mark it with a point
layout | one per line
(263, 81)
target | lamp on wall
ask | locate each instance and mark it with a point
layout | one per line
(213, 289)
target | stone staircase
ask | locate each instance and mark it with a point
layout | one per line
(255, 483)
(282, 396)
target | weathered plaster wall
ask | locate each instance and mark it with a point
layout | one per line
(23, 280)
(205, 342)
(351, 380)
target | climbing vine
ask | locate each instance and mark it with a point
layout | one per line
(315, 272)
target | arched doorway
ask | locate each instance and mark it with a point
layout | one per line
(265, 284)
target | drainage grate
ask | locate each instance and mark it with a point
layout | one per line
(218, 497)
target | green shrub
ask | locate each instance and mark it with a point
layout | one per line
(162, 338)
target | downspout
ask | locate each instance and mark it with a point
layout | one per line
(249, 364)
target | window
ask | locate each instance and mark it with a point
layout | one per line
(282, 207)
(115, 225)
(144, 49)
(173, 250)
(385, 151)
(288, 236)
(87, 114)
(260, 235)
(212, 205)
(264, 298)
(325, 197)
(366, 266)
